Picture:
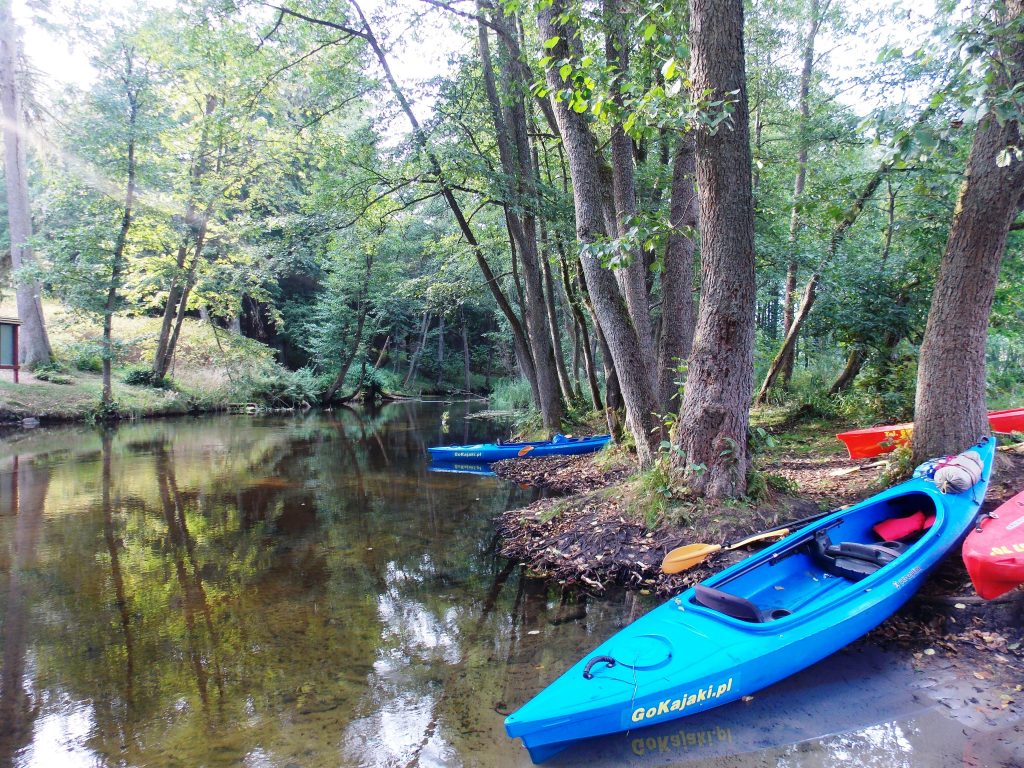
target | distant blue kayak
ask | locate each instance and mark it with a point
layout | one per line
(559, 445)
(755, 623)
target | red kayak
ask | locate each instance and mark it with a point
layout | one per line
(874, 441)
(994, 551)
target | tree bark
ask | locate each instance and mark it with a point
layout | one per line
(34, 342)
(716, 405)
(678, 314)
(613, 316)
(949, 408)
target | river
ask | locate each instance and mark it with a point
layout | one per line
(301, 590)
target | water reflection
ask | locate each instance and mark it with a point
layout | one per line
(303, 591)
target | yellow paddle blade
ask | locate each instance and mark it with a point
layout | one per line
(684, 558)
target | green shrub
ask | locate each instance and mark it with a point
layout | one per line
(144, 377)
(52, 375)
(276, 387)
(85, 356)
(511, 395)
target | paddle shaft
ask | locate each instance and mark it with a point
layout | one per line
(686, 557)
(781, 526)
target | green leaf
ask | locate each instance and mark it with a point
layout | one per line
(564, 71)
(551, 42)
(649, 31)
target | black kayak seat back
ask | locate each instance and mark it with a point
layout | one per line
(852, 559)
(735, 606)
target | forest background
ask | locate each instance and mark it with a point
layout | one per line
(252, 201)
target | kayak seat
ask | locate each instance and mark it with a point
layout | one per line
(853, 560)
(735, 606)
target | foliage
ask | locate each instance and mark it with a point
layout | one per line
(139, 376)
(510, 395)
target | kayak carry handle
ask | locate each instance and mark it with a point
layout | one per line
(587, 674)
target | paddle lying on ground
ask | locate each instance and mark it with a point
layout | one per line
(684, 558)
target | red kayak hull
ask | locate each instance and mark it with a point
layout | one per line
(874, 441)
(994, 555)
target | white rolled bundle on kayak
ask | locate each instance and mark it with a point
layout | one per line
(955, 474)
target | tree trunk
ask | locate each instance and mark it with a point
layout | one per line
(678, 313)
(854, 362)
(716, 404)
(613, 316)
(34, 342)
(949, 409)
(556, 337)
(177, 296)
(509, 117)
(163, 362)
(798, 184)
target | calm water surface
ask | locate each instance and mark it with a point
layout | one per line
(303, 591)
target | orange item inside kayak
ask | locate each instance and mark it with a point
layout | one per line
(898, 528)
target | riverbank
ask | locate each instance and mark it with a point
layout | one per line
(605, 525)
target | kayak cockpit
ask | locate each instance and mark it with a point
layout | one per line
(786, 579)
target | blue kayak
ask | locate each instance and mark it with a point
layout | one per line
(755, 623)
(559, 445)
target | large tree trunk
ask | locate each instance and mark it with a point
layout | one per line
(612, 313)
(949, 409)
(678, 314)
(798, 184)
(716, 406)
(33, 341)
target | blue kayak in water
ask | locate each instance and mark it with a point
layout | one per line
(757, 622)
(559, 445)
